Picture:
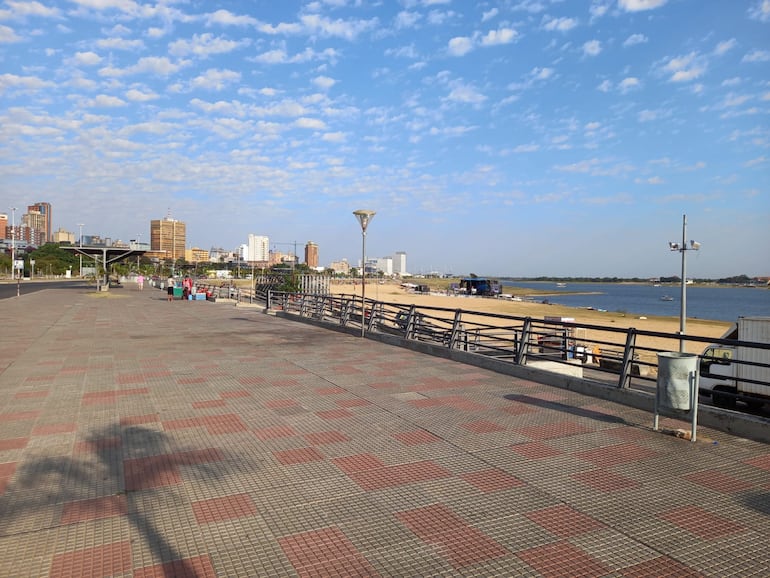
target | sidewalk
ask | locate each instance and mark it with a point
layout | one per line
(144, 438)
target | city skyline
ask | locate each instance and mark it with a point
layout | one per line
(526, 138)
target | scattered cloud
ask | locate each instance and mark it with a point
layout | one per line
(640, 5)
(635, 39)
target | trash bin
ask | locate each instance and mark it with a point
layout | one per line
(677, 379)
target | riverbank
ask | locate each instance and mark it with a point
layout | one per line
(394, 293)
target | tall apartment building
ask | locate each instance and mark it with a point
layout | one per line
(4, 233)
(259, 249)
(42, 221)
(168, 236)
(311, 255)
(399, 263)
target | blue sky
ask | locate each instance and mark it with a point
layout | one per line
(521, 137)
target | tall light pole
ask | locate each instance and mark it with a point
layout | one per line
(13, 243)
(683, 248)
(364, 218)
(80, 244)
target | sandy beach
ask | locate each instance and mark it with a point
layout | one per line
(392, 292)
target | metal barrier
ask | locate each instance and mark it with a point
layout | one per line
(623, 358)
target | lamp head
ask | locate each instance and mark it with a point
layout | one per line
(694, 245)
(364, 218)
(673, 246)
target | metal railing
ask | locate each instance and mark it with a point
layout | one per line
(621, 357)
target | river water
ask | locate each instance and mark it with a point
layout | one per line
(703, 302)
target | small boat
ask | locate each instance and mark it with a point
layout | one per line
(667, 298)
(561, 284)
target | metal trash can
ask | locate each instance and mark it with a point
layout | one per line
(677, 379)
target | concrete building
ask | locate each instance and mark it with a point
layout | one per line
(168, 236)
(196, 255)
(341, 267)
(62, 236)
(385, 264)
(42, 220)
(311, 255)
(399, 263)
(259, 249)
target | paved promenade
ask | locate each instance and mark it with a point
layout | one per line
(141, 438)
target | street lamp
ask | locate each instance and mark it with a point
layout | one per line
(13, 243)
(80, 244)
(683, 248)
(364, 218)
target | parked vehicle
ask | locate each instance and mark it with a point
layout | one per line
(737, 369)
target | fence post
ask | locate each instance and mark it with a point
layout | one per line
(456, 327)
(521, 351)
(628, 359)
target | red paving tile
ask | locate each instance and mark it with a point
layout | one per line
(163, 470)
(492, 480)
(284, 382)
(196, 567)
(224, 508)
(6, 473)
(762, 462)
(462, 544)
(605, 480)
(400, 475)
(138, 419)
(93, 509)
(298, 456)
(107, 560)
(701, 523)
(235, 394)
(19, 416)
(417, 437)
(358, 463)
(278, 431)
(326, 437)
(191, 380)
(254, 380)
(208, 404)
(563, 521)
(324, 553)
(97, 445)
(718, 481)
(517, 408)
(562, 559)
(352, 402)
(13, 444)
(214, 424)
(330, 390)
(535, 450)
(110, 396)
(609, 456)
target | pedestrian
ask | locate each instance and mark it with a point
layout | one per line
(170, 287)
(187, 285)
(140, 281)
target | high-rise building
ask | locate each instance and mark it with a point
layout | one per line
(43, 224)
(399, 263)
(4, 226)
(169, 236)
(311, 254)
(259, 249)
(62, 236)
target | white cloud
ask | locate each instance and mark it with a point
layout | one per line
(310, 123)
(592, 48)
(225, 18)
(202, 45)
(639, 5)
(465, 93)
(757, 56)
(324, 82)
(348, 30)
(460, 46)
(685, 68)
(87, 58)
(22, 83)
(18, 9)
(635, 39)
(628, 83)
(136, 95)
(215, 79)
(605, 86)
(489, 15)
(105, 100)
(760, 11)
(725, 46)
(406, 19)
(559, 24)
(8, 35)
(501, 36)
(120, 44)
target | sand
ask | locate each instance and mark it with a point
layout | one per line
(393, 293)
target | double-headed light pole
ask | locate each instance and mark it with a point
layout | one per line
(364, 218)
(683, 248)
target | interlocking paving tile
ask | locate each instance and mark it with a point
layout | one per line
(325, 552)
(718, 481)
(13, 444)
(492, 480)
(460, 542)
(562, 559)
(535, 450)
(107, 560)
(605, 480)
(564, 521)
(616, 454)
(224, 508)
(701, 523)
(103, 507)
(417, 437)
(298, 456)
(326, 438)
(195, 567)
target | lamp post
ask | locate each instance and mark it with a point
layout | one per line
(13, 243)
(80, 244)
(683, 248)
(364, 218)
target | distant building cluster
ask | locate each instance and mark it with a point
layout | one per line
(168, 241)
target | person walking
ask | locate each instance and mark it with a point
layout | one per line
(170, 284)
(140, 281)
(187, 285)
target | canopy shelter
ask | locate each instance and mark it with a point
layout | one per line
(108, 255)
